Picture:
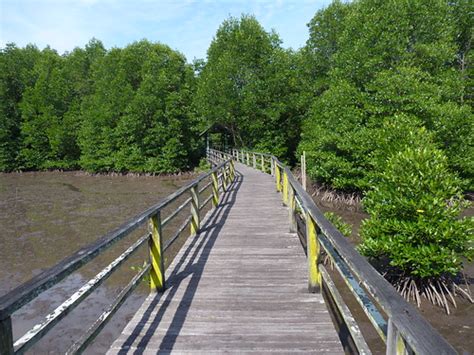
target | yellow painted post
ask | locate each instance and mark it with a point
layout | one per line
(314, 276)
(263, 163)
(285, 187)
(157, 270)
(6, 336)
(224, 178)
(195, 219)
(229, 174)
(215, 189)
(278, 177)
(232, 170)
(292, 208)
(395, 343)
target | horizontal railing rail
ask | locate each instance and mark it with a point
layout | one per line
(221, 175)
(404, 330)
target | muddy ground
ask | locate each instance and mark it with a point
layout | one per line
(457, 328)
(46, 216)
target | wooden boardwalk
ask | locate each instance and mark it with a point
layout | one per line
(240, 286)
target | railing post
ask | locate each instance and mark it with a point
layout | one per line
(278, 177)
(285, 187)
(254, 158)
(248, 158)
(6, 336)
(224, 179)
(228, 175)
(195, 220)
(395, 342)
(215, 189)
(314, 275)
(303, 170)
(272, 167)
(263, 164)
(232, 170)
(292, 208)
(157, 271)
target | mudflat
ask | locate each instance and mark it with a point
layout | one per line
(46, 216)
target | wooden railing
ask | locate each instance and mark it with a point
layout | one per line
(401, 326)
(220, 177)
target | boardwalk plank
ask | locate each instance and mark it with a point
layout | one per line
(240, 286)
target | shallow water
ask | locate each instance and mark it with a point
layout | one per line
(46, 216)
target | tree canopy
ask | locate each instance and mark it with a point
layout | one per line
(249, 85)
(379, 61)
(118, 110)
(367, 66)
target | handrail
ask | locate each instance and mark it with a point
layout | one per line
(25, 293)
(407, 329)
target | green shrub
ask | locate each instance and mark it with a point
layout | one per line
(337, 221)
(203, 166)
(414, 219)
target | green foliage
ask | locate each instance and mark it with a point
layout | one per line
(414, 216)
(374, 77)
(16, 74)
(337, 221)
(141, 104)
(203, 166)
(248, 86)
(384, 61)
(123, 110)
(41, 95)
(325, 29)
(332, 138)
(44, 137)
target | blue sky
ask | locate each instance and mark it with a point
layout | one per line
(185, 25)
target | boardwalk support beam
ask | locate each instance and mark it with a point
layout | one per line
(215, 189)
(195, 219)
(285, 187)
(232, 170)
(157, 271)
(292, 209)
(224, 179)
(278, 177)
(395, 342)
(314, 275)
(6, 336)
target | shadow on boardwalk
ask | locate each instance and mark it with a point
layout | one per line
(187, 266)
